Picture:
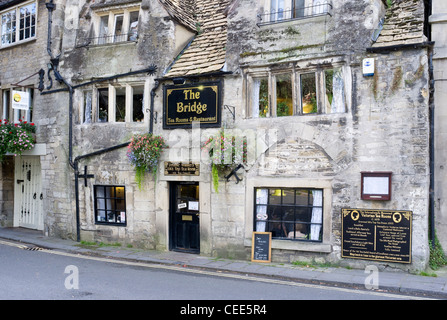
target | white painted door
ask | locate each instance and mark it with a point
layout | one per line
(28, 196)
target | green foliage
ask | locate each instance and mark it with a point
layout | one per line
(225, 151)
(282, 109)
(437, 256)
(144, 152)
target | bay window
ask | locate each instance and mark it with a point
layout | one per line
(18, 24)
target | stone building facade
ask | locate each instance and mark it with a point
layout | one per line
(285, 77)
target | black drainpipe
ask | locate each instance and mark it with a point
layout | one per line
(151, 121)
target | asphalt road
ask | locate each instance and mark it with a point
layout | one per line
(51, 275)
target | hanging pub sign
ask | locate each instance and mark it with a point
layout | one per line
(186, 104)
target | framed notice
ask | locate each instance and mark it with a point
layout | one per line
(261, 247)
(376, 186)
(185, 104)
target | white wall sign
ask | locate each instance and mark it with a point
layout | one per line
(20, 100)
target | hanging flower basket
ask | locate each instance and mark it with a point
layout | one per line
(144, 152)
(225, 153)
(16, 137)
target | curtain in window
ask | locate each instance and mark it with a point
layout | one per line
(88, 107)
(319, 6)
(317, 215)
(338, 101)
(255, 97)
(261, 211)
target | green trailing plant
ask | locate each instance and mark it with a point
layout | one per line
(144, 152)
(225, 152)
(437, 256)
(16, 137)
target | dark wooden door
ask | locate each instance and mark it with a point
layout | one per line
(184, 217)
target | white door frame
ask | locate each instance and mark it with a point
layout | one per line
(28, 194)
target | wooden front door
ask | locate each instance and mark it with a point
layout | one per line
(184, 217)
(28, 195)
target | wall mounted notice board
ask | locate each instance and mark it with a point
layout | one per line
(261, 247)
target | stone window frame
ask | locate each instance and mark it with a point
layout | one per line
(129, 88)
(290, 219)
(17, 8)
(253, 74)
(111, 14)
(325, 246)
(107, 202)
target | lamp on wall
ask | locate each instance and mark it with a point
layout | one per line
(179, 80)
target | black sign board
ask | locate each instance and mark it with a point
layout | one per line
(261, 247)
(182, 169)
(381, 235)
(186, 104)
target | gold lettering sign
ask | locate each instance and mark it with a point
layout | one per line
(381, 235)
(186, 104)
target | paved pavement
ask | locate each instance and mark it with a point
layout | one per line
(396, 281)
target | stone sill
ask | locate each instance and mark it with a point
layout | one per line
(297, 245)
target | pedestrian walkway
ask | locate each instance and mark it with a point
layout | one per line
(395, 282)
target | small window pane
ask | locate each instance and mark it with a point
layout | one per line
(118, 29)
(260, 98)
(133, 26)
(138, 104)
(88, 107)
(335, 92)
(103, 105)
(120, 106)
(309, 93)
(298, 8)
(103, 30)
(284, 102)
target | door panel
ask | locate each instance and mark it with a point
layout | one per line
(28, 196)
(185, 217)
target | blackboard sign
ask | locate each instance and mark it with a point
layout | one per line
(381, 235)
(261, 247)
(186, 104)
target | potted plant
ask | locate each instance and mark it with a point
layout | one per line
(16, 137)
(144, 152)
(225, 152)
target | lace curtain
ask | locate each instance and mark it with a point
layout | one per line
(261, 211)
(317, 215)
